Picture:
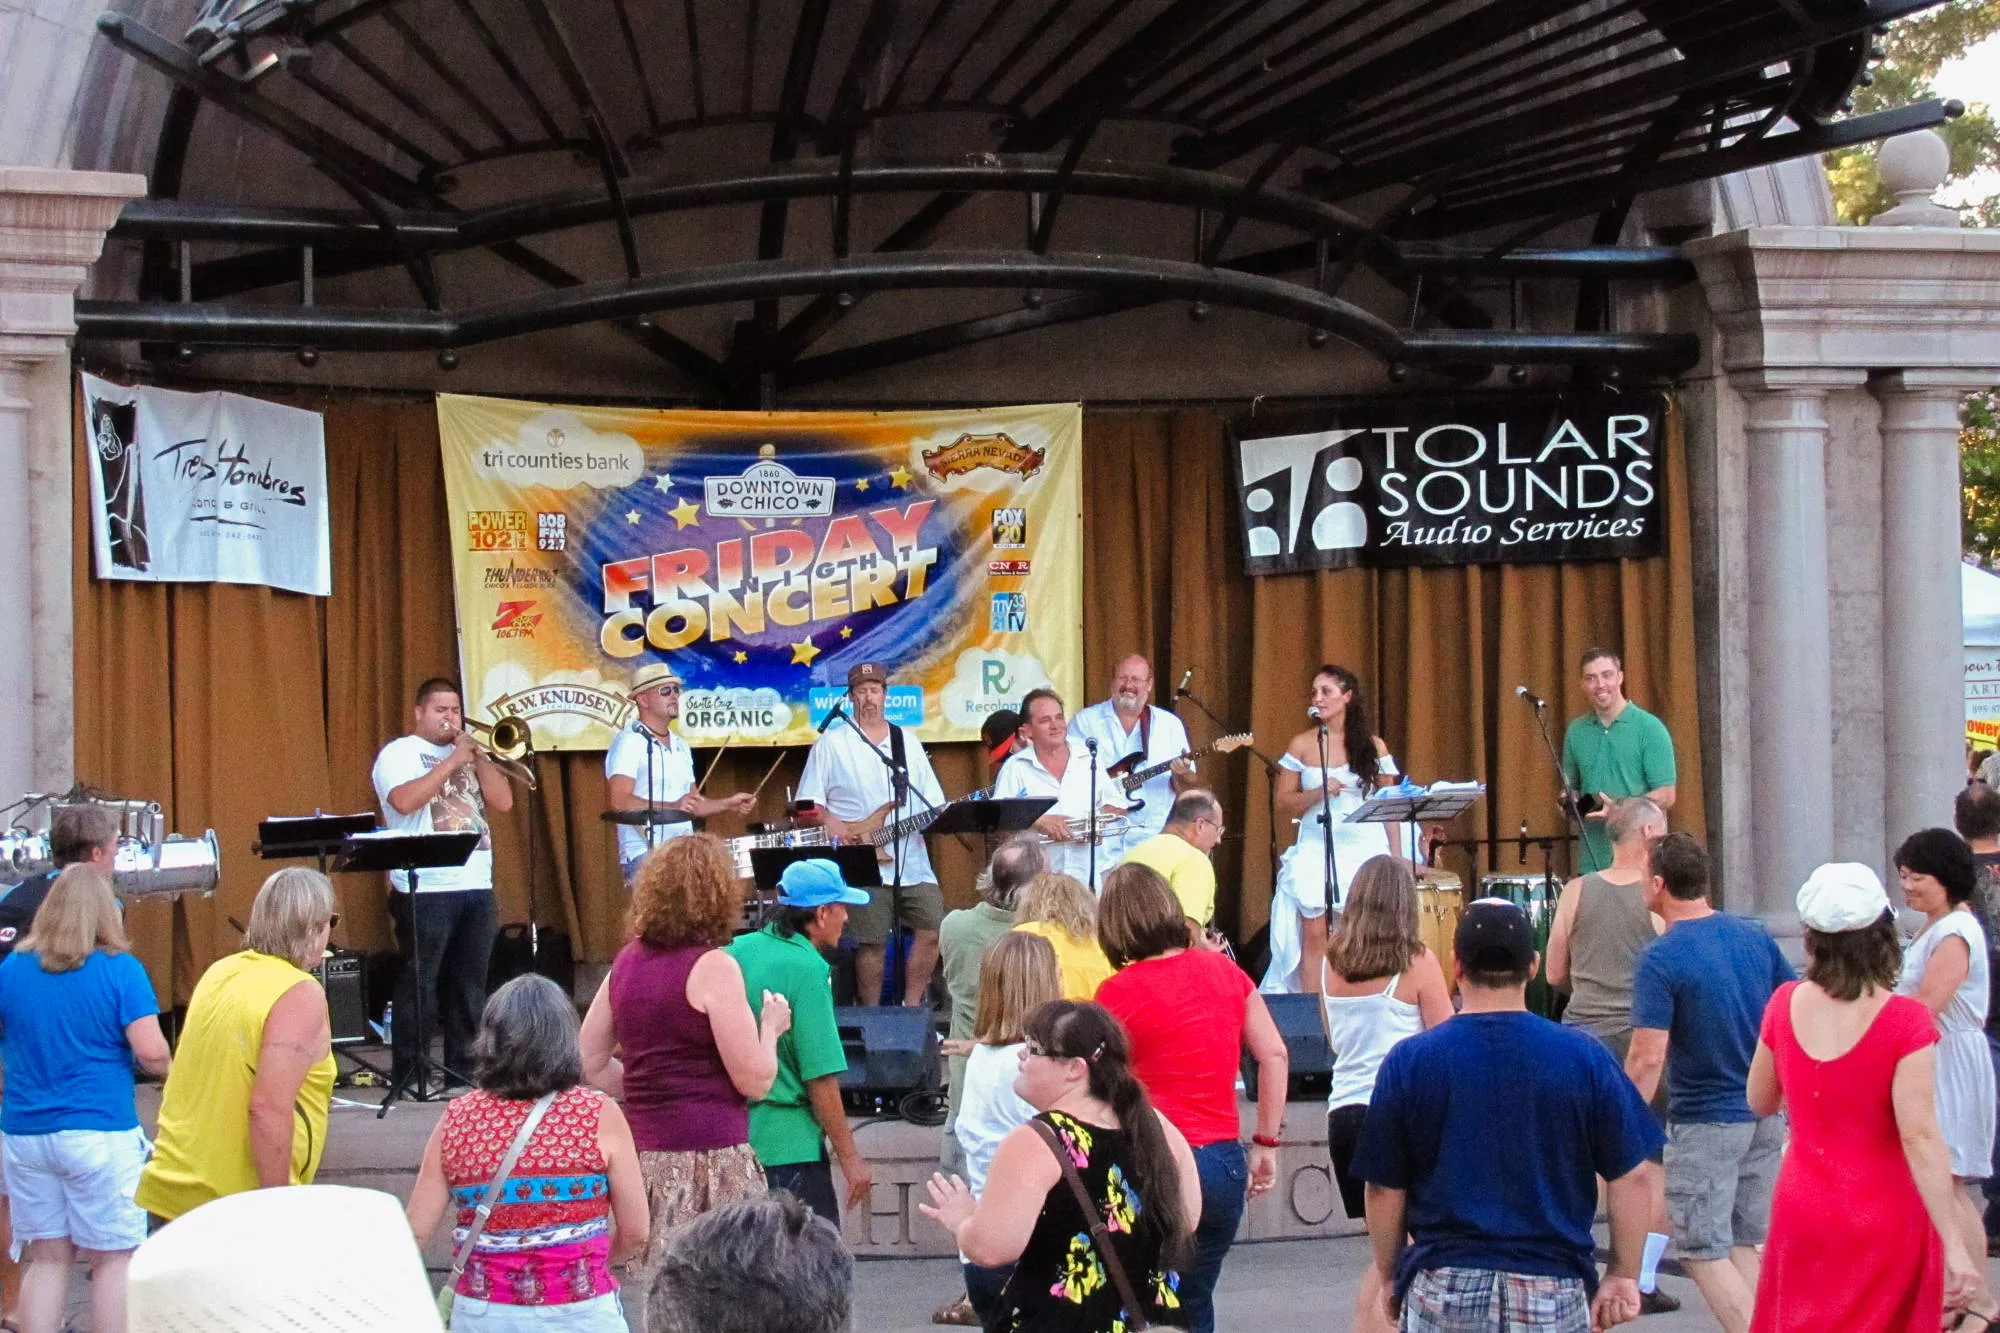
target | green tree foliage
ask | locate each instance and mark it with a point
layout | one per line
(1979, 475)
(1915, 49)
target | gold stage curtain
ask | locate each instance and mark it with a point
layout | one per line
(230, 703)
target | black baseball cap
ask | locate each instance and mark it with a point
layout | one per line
(1494, 936)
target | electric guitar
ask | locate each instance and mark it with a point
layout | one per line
(1130, 779)
(875, 828)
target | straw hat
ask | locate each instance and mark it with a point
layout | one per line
(296, 1260)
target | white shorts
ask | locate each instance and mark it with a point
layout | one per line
(600, 1314)
(77, 1185)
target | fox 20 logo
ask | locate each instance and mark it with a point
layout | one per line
(1010, 528)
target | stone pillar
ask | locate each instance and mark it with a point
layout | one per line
(1922, 626)
(52, 226)
(1791, 727)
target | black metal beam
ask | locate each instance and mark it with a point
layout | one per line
(449, 76)
(378, 330)
(611, 164)
(1580, 198)
(496, 50)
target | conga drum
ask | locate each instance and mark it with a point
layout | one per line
(1440, 899)
(1536, 895)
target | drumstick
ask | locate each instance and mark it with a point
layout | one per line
(720, 751)
(756, 791)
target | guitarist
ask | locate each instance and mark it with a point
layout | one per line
(1127, 726)
(1054, 765)
(851, 772)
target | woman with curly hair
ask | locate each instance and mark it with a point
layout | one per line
(1062, 910)
(671, 1035)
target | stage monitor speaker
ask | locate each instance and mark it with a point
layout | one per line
(1299, 1023)
(892, 1051)
(345, 977)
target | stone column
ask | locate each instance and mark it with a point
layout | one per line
(1791, 725)
(52, 226)
(1922, 626)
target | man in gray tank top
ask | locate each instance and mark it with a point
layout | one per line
(1602, 923)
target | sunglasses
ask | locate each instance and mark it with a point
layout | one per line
(333, 921)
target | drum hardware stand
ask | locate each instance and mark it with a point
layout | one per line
(1270, 770)
(1572, 816)
(1090, 744)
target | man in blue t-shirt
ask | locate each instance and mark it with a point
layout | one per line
(1483, 1143)
(1700, 990)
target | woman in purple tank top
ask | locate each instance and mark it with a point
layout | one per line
(670, 1034)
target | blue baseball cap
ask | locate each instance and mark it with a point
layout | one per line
(816, 882)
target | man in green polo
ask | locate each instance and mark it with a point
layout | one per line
(791, 1125)
(1616, 750)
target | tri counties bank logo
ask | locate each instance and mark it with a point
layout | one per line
(516, 620)
(995, 449)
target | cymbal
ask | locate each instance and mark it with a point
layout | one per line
(641, 818)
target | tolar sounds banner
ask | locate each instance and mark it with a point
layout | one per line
(1455, 480)
(762, 554)
(205, 488)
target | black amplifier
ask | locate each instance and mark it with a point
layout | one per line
(345, 977)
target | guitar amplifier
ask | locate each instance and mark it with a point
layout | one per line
(345, 977)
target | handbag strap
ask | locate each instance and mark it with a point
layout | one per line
(495, 1186)
(1135, 1312)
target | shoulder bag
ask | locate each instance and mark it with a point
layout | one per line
(487, 1201)
(1135, 1309)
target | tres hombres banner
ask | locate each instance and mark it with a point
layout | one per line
(1486, 479)
(205, 488)
(762, 554)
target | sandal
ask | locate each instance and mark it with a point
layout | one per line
(1986, 1321)
(957, 1311)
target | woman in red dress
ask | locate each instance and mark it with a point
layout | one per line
(1861, 1233)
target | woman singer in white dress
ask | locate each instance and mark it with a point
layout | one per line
(1947, 967)
(1356, 760)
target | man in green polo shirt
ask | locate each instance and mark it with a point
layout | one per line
(1180, 851)
(1616, 750)
(791, 1125)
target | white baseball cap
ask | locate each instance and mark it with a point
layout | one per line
(1841, 896)
(302, 1259)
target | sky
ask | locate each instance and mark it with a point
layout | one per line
(1975, 78)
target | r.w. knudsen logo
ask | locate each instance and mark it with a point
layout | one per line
(768, 489)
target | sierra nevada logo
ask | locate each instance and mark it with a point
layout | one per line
(768, 489)
(994, 449)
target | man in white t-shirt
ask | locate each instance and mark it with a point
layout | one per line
(1054, 765)
(437, 780)
(1128, 724)
(849, 771)
(649, 767)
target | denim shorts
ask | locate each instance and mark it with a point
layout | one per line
(77, 1185)
(1720, 1178)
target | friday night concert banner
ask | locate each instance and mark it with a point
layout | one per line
(1454, 479)
(762, 554)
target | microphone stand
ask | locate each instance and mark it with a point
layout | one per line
(1326, 820)
(1090, 744)
(900, 791)
(1270, 771)
(1572, 818)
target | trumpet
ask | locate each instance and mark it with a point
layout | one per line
(509, 744)
(1108, 826)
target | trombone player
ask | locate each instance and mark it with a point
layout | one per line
(440, 779)
(649, 768)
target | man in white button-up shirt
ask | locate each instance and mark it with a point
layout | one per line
(848, 772)
(1054, 765)
(649, 767)
(1125, 724)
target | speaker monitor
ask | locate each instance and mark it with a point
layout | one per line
(891, 1051)
(345, 977)
(1299, 1023)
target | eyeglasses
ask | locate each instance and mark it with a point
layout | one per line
(666, 690)
(333, 921)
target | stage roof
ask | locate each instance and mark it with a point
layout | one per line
(1431, 145)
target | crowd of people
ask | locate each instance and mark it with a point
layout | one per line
(1815, 1149)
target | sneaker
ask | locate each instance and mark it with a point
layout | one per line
(1657, 1302)
(956, 1312)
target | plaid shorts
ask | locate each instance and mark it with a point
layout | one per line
(1480, 1300)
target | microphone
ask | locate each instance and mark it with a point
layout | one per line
(1090, 744)
(1533, 699)
(1313, 713)
(839, 709)
(1186, 676)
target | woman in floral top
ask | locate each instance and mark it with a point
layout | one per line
(1076, 1071)
(574, 1203)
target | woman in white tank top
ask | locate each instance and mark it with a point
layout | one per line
(1378, 984)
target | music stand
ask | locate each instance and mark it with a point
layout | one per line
(1395, 806)
(318, 835)
(410, 853)
(992, 818)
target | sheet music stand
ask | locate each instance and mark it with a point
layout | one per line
(992, 818)
(1394, 807)
(318, 835)
(410, 853)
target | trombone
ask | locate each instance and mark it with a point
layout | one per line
(509, 744)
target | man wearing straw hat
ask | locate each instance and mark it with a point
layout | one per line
(648, 767)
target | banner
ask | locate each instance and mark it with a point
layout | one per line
(762, 554)
(1982, 696)
(206, 488)
(1485, 479)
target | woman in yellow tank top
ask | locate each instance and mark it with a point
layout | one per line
(246, 1104)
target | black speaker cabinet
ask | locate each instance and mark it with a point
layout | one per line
(1299, 1024)
(891, 1052)
(345, 977)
